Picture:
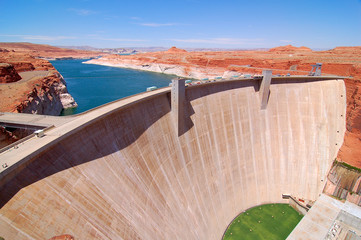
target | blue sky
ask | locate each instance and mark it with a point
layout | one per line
(182, 23)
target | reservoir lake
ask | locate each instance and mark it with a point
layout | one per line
(94, 85)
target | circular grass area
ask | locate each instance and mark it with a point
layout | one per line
(269, 221)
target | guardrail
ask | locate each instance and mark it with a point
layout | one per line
(14, 144)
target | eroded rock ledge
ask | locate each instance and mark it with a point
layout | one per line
(8, 73)
(49, 97)
(31, 85)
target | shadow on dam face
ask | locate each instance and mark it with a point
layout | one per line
(130, 123)
(128, 175)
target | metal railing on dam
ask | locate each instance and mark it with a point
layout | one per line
(122, 171)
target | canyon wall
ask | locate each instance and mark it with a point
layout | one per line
(49, 98)
(47, 51)
(31, 85)
(8, 73)
(122, 172)
(350, 151)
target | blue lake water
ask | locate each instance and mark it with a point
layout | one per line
(94, 85)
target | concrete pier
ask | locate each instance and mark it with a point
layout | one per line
(265, 87)
(177, 107)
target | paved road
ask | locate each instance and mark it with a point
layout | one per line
(26, 76)
(34, 119)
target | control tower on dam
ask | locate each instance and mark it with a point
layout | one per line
(129, 170)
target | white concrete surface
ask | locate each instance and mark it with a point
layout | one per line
(122, 172)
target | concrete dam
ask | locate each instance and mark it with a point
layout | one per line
(123, 171)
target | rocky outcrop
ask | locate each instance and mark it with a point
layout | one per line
(290, 49)
(66, 99)
(176, 50)
(47, 51)
(174, 61)
(49, 98)
(23, 66)
(283, 60)
(8, 73)
(42, 90)
(345, 50)
(174, 69)
(350, 151)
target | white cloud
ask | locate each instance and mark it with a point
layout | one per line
(38, 37)
(82, 12)
(157, 24)
(223, 41)
(286, 41)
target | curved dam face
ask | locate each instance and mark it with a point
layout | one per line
(128, 175)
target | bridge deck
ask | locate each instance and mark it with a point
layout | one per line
(30, 120)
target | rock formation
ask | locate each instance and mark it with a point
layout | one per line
(350, 151)
(175, 50)
(8, 73)
(47, 51)
(31, 85)
(49, 97)
(290, 49)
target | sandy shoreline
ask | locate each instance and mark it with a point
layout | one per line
(172, 69)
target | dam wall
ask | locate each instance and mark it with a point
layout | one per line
(126, 174)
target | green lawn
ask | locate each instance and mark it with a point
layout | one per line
(270, 221)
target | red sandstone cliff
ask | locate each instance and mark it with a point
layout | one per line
(8, 73)
(47, 51)
(290, 49)
(31, 85)
(350, 151)
(175, 50)
(282, 60)
(342, 61)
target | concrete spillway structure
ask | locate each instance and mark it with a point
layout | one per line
(122, 172)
